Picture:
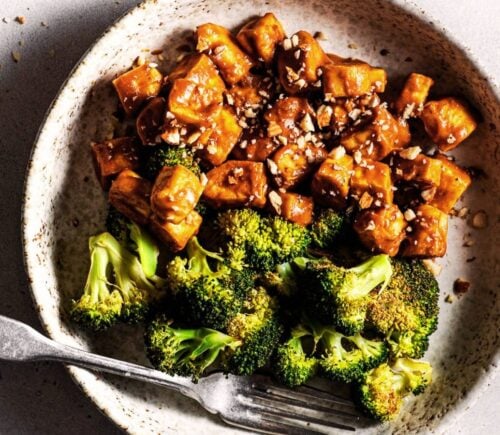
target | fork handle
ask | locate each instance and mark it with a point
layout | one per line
(20, 342)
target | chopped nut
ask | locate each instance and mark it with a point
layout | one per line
(352, 46)
(295, 40)
(409, 215)
(365, 201)
(432, 266)
(287, 44)
(338, 152)
(193, 137)
(274, 129)
(479, 220)
(320, 36)
(16, 56)
(276, 201)
(460, 287)
(462, 212)
(448, 299)
(428, 194)
(410, 153)
(203, 179)
(20, 19)
(306, 123)
(273, 167)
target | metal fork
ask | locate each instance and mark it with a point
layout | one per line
(255, 403)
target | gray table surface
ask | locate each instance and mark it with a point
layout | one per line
(41, 398)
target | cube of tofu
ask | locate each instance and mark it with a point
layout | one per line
(224, 136)
(448, 122)
(236, 183)
(197, 90)
(452, 184)
(292, 163)
(293, 207)
(234, 64)
(260, 37)
(422, 171)
(351, 78)
(150, 120)
(136, 86)
(427, 237)
(252, 92)
(175, 193)
(113, 156)
(411, 100)
(176, 236)
(376, 138)
(129, 194)
(299, 59)
(382, 229)
(330, 184)
(255, 147)
(284, 117)
(374, 179)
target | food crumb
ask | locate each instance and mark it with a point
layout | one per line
(460, 287)
(384, 52)
(43, 24)
(352, 46)
(408, 59)
(448, 299)
(320, 36)
(16, 56)
(20, 19)
(479, 220)
(5, 20)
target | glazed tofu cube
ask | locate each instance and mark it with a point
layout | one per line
(299, 59)
(413, 95)
(234, 64)
(176, 236)
(292, 207)
(136, 86)
(374, 179)
(129, 194)
(382, 229)
(255, 147)
(250, 93)
(224, 136)
(330, 184)
(376, 138)
(197, 90)
(237, 183)
(453, 183)
(261, 36)
(175, 193)
(113, 156)
(292, 163)
(285, 116)
(351, 78)
(448, 122)
(427, 237)
(423, 172)
(150, 120)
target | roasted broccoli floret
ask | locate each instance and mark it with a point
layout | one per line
(382, 390)
(207, 295)
(341, 296)
(294, 361)
(184, 352)
(117, 286)
(283, 279)
(346, 358)
(327, 228)
(261, 242)
(167, 155)
(135, 238)
(258, 328)
(407, 311)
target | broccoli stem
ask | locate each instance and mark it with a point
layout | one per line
(376, 270)
(96, 285)
(147, 249)
(198, 257)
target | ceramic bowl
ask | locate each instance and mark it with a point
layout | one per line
(64, 204)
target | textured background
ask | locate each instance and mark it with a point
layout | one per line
(40, 398)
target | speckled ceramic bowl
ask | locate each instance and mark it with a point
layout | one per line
(64, 204)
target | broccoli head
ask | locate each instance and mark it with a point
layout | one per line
(327, 228)
(184, 352)
(261, 242)
(207, 295)
(407, 312)
(294, 361)
(167, 155)
(341, 296)
(258, 328)
(382, 390)
(346, 358)
(117, 286)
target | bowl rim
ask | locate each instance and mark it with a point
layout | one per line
(77, 373)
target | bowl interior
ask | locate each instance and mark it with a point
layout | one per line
(64, 204)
